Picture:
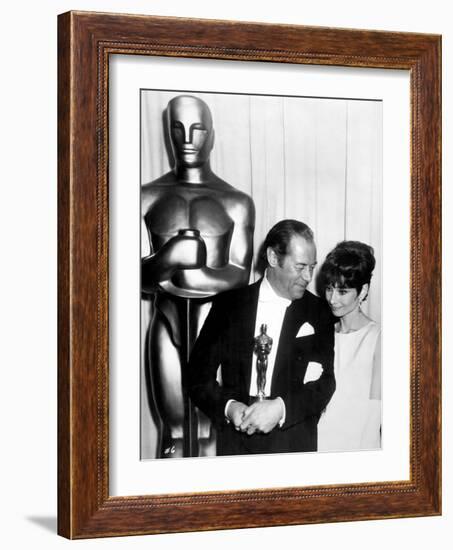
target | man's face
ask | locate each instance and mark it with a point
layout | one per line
(191, 132)
(290, 279)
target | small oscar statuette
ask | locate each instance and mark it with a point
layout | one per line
(262, 348)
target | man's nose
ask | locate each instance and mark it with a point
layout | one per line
(307, 274)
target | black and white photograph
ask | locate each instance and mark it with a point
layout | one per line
(226, 243)
(261, 271)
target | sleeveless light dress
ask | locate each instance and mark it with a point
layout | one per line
(352, 420)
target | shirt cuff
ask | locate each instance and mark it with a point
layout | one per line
(226, 408)
(283, 418)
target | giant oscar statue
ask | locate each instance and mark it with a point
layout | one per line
(200, 232)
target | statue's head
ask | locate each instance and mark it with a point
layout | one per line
(190, 128)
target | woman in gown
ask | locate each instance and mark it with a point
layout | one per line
(352, 419)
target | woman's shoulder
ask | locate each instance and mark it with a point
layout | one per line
(371, 334)
(374, 327)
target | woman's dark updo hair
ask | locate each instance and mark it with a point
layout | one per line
(349, 265)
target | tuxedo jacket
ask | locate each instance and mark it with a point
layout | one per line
(227, 340)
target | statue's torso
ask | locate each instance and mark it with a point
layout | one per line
(169, 209)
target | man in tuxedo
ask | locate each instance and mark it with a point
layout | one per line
(299, 379)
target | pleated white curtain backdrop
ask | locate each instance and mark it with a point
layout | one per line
(313, 159)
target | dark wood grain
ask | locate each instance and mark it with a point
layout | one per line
(85, 42)
(64, 371)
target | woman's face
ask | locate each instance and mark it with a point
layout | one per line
(342, 300)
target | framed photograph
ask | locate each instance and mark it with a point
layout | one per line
(185, 147)
(273, 148)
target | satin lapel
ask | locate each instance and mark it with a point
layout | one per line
(293, 320)
(245, 332)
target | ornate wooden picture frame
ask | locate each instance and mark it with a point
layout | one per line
(85, 507)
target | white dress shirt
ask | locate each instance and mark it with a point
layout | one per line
(270, 311)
